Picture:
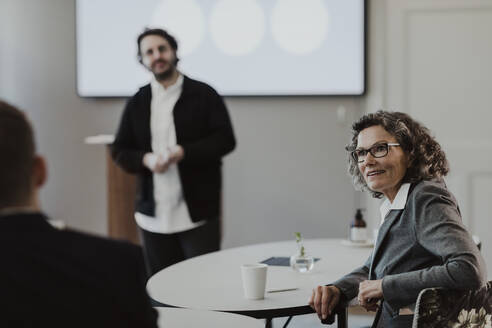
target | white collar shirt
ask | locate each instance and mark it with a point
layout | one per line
(171, 211)
(397, 204)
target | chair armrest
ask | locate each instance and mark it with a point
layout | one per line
(341, 314)
(439, 307)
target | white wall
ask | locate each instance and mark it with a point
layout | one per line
(38, 74)
(287, 173)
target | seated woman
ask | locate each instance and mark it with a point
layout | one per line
(421, 241)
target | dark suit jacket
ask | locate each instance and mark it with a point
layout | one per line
(203, 129)
(424, 245)
(60, 278)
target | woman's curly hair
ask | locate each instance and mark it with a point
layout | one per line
(427, 159)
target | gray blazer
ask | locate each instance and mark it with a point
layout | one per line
(424, 245)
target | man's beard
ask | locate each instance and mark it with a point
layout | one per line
(162, 76)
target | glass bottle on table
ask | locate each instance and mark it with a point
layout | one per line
(358, 228)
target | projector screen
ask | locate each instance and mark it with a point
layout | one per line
(240, 47)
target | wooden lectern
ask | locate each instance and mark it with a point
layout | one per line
(121, 188)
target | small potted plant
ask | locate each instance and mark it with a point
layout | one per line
(300, 261)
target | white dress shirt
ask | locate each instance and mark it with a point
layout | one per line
(171, 212)
(397, 204)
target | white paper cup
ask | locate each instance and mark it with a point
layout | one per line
(254, 280)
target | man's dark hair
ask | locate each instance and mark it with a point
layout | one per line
(427, 159)
(159, 32)
(17, 149)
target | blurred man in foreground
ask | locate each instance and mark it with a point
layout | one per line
(51, 277)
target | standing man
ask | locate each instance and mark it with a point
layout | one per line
(51, 277)
(173, 134)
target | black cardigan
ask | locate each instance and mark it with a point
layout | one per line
(203, 129)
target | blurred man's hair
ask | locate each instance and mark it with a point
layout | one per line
(159, 32)
(17, 155)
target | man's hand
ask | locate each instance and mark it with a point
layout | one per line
(156, 163)
(324, 299)
(370, 292)
(160, 163)
(176, 154)
(149, 161)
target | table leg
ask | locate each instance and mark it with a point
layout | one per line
(287, 322)
(268, 323)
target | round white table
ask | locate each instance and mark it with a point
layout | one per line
(213, 281)
(185, 318)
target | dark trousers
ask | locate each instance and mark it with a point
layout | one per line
(162, 250)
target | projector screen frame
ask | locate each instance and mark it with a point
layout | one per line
(238, 96)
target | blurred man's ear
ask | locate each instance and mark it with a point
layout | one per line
(40, 172)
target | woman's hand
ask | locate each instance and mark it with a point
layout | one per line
(370, 292)
(324, 299)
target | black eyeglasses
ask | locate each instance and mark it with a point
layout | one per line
(377, 151)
